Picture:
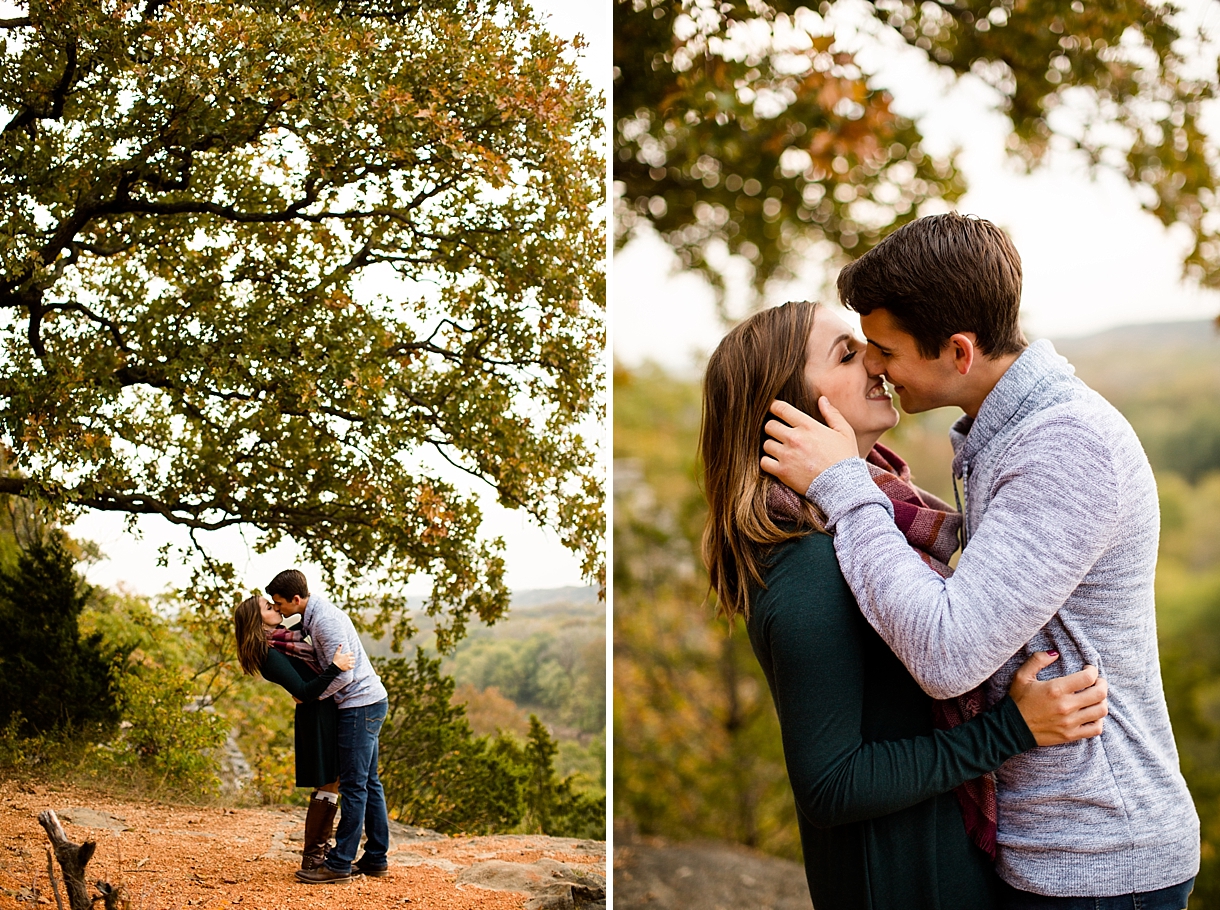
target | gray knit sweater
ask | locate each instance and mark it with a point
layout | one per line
(1062, 521)
(329, 627)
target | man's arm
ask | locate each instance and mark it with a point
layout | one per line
(1053, 511)
(327, 631)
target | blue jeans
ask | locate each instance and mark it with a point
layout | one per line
(363, 805)
(1173, 898)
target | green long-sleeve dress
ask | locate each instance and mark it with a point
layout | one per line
(316, 725)
(880, 826)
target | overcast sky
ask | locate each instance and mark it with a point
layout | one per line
(534, 556)
(1092, 258)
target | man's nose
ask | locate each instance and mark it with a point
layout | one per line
(873, 361)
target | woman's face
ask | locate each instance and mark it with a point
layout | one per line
(834, 367)
(271, 616)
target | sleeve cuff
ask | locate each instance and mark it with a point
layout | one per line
(1012, 716)
(844, 486)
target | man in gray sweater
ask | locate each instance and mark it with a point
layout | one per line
(1060, 545)
(362, 700)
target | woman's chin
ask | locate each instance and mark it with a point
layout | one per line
(884, 415)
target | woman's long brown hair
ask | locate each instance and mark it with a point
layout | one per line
(251, 636)
(760, 360)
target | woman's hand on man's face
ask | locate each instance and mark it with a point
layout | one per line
(1059, 710)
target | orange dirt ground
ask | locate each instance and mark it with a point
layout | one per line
(175, 857)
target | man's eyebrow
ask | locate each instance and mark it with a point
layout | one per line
(880, 347)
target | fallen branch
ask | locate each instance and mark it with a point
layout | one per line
(59, 901)
(72, 861)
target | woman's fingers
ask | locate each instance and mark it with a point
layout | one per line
(1092, 713)
(1060, 710)
(1084, 713)
(1037, 662)
(343, 659)
(1081, 679)
(1089, 728)
(1096, 694)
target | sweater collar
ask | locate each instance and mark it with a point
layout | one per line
(1019, 392)
(307, 616)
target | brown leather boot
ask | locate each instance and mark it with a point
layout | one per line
(319, 825)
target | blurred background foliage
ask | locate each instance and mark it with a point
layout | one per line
(697, 752)
(747, 127)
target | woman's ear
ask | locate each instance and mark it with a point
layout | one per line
(962, 347)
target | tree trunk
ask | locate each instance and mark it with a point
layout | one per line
(72, 860)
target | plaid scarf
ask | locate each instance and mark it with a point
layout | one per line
(292, 642)
(931, 528)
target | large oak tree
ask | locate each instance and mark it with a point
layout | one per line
(266, 264)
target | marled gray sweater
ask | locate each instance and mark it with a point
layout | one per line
(329, 627)
(1063, 521)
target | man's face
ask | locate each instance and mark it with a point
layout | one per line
(921, 384)
(296, 605)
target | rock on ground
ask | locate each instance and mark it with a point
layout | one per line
(651, 874)
(551, 885)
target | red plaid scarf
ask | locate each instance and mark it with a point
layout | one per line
(931, 528)
(292, 642)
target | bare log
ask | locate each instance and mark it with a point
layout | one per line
(72, 860)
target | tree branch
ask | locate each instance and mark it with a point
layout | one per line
(34, 333)
(72, 306)
(73, 858)
(59, 95)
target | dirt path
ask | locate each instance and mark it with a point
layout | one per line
(175, 857)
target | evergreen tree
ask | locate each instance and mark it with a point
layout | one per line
(50, 678)
(554, 806)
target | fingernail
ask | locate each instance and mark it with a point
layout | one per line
(1053, 653)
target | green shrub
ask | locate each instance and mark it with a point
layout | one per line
(436, 772)
(166, 731)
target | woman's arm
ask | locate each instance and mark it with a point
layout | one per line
(279, 670)
(811, 641)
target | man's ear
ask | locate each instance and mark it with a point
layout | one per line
(962, 347)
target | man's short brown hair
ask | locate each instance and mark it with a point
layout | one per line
(288, 584)
(940, 275)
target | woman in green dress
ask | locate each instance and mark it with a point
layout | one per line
(891, 788)
(315, 725)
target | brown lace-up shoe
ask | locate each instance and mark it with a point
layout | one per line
(323, 875)
(360, 867)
